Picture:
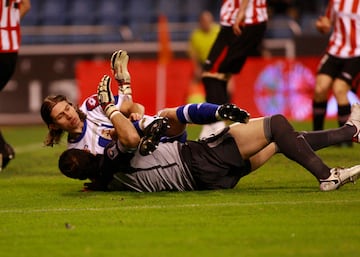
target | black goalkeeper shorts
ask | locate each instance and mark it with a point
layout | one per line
(215, 162)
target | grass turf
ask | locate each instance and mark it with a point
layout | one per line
(275, 211)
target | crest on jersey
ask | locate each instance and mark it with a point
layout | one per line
(92, 102)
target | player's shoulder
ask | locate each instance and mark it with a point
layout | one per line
(92, 102)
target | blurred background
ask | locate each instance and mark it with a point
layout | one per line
(66, 47)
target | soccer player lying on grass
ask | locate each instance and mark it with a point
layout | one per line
(88, 127)
(217, 162)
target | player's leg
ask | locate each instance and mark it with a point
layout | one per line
(250, 138)
(347, 133)
(261, 157)
(296, 148)
(322, 88)
(346, 80)
(152, 135)
(203, 113)
(341, 89)
(329, 68)
(7, 68)
(215, 82)
(258, 133)
(172, 127)
(119, 61)
(318, 139)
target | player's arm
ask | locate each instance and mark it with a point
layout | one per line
(240, 17)
(25, 6)
(125, 130)
(324, 23)
(134, 111)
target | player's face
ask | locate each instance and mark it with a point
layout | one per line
(65, 117)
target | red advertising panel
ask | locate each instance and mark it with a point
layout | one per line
(264, 86)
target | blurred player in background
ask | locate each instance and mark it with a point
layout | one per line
(243, 26)
(11, 11)
(339, 67)
(200, 42)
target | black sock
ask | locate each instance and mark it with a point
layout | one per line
(319, 113)
(343, 114)
(324, 138)
(295, 147)
(215, 90)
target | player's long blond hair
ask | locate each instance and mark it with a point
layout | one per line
(54, 135)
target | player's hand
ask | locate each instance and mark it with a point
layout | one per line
(239, 22)
(135, 116)
(105, 96)
(237, 30)
(104, 93)
(323, 24)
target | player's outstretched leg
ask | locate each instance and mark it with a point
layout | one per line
(119, 61)
(152, 135)
(206, 113)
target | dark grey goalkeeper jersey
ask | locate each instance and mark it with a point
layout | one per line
(214, 163)
(163, 170)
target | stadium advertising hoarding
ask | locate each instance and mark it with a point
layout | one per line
(264, 86)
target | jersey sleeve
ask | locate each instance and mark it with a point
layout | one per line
(93, 110)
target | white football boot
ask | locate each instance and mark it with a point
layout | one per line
(339, 177)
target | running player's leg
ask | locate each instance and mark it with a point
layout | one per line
(323, 84)
(7, 64)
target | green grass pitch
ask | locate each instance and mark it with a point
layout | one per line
(275, 211)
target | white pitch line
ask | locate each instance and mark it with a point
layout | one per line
(140, 207)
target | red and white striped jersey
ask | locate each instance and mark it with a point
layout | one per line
(256, 12)
(345, 38)
(9, 25)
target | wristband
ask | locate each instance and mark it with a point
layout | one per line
(113, 114)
